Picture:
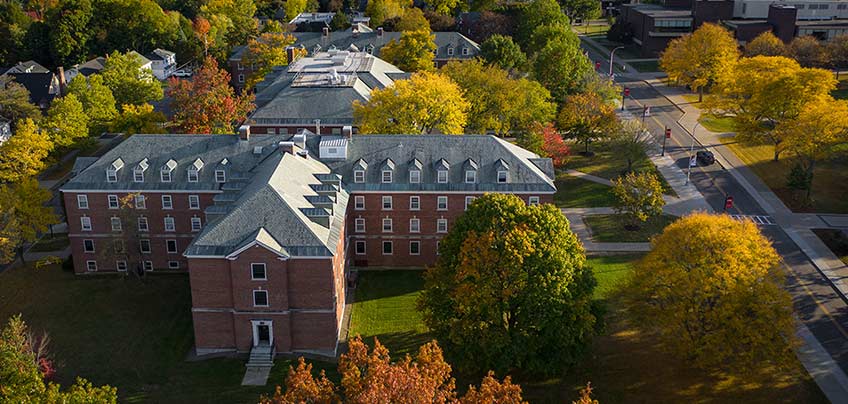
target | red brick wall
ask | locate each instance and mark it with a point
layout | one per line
(293, 129)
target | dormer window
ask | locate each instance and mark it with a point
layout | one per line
(112, 170)
(166, 170)
(194, 170)
(464, 51)
(502, 177)
(220, 176)
(387, 177)
(359, 176)
(414, 177)
(450, 50)
(138, 171)
(442, 167)
(502, 168)
(386, 169)
(470, 176)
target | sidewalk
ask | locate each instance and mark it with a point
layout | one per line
(579, 227)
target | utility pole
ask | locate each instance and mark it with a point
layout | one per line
(612, 56)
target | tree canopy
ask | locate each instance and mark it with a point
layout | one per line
(536, 14)
(560, 66)
(130, 84)
(511, 289)
(765, 44)
(22, 156)
(14, 101)
(139, 119)
(23, 215)
(66, 121)
(413, 52)
(700, 58)
(382, 10)
(711, 288)
(586, 117)
(265, 52)
(425, 103)
(808, 51)
(97, 101)
(501, 51)
(638, 196)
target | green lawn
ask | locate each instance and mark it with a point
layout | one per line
(130, 334)
(829, 179)
(47, 243)
(610, 228)
(590, 29)
(645, 67)
(605, 164)
(573, 192)
(836, 240)
(717, 124)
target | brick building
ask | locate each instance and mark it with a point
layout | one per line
(268, 226)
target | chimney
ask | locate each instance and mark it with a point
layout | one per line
(290, 54)
(63, 84)
(318, 127)
(325, 31)
(244, 132)
(287, 147)
(379, 32)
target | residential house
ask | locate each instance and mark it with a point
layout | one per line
(5, 130)
(162, 62)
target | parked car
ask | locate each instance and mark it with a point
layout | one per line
(181, 73)
(706, 157)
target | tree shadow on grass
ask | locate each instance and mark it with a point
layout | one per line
(373, 285)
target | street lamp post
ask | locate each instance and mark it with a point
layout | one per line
(691, 153)
(612, 56)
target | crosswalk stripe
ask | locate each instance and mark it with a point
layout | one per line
(756, 219)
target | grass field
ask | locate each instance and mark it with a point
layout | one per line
(605, 164)
(717, 124)
(828, 181)
(590, 28)
(645, 67)
(610, 228)
(836, 240)
(573, 192)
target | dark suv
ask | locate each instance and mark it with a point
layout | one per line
(705, 157)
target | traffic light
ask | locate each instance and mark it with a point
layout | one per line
(668, 133)
(728, 202)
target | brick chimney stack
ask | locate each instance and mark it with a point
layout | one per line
(63, 84)
(244, 132)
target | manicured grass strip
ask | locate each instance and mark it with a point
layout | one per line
(645, 67)
(717, 124)
(610, 228)
(836, 240)
(610, 271)
(605, 164)
(573, 192)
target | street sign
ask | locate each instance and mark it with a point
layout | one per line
(647, 111)
(693, 162)
(597, 65)
(728, 202)
(668, 133)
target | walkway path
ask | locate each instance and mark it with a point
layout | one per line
(579, 227)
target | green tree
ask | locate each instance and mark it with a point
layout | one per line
(545, 34)
(130, 84)
(765, 44)
(23, 380)
(294, 8)
(66, 121)
(413, 52)
(582, 9)
(809, 52)
(14, 24)
(507, 276)
(96, 99)
(586, 117)
(629, 140)
(638, 196)
(23, 217)
(560, 66)
(382, 10)
(499, 103)
(139, 119)
(23, 155)
(700, 58)
(68, 31)
(413, 20)
(711, 289)
(265, 52)
(444, 7)
(536, 14)
(340, 22)
(837, 48)
(206, 103)
(14, 101)
(236, 16)
(139, 25)
(425, 103)
(501, 51)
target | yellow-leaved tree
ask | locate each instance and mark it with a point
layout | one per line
(763, 93)
(23, 215)
(765, 44)
(265, 52)
(425, 103)
(23, 154)
(413, 52)
(700, 58)
(711, 289)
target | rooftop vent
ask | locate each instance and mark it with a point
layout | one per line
(257, 150)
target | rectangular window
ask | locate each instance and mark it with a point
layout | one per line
(359, 225)
(359, 176)
(121, 266)
(442, 176)
(113, 201)
(138, 176)
(468, 200)
(169, 224)
(414, 225)
(88, 246)
(165, 176)
(533, 200)
(441, 225)
(91, 266)
(241, 78)
(502, 177)
(193, 202)
(260, 298)
(450, 51)
(464, 51)
(116, 223)
(173, 265)
(442, 203)
(85, 223)
(167, 202)
(387, 248)
(142, 224)
(257, 272)
(195, 224)
(414, 247)
(387, 203)
(118, 245)
(111, 176)
(470, 177)
(360, 247)
(414, 203)
(144, 246)
(140, 202)
(220, 176)
(387, 225)
(414, 177)
(171, 246)
(387, 177)
(82, 201)
(148, 266)
(192, 175)
(359, 202)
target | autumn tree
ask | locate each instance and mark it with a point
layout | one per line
(711, 290)
(499, 103)
(763, 93)
(819, 130)
(265, 52)
(340, 21)
(66, 121)
(206, 103)
(413, 52)
(629, 141)
(294, 8)
(501, 51)
(425, 103)
(413, 20)
(233, 19)
(202, 31)
(560, 66)
(639, 197)
(444, 7)
(130, 84)
(765, 44)
(837, 48)
(24, 380)
(508, 273)
(586, 117)
(23, 155)
(382, 10)
(371, 377)
(809, 52)
(23, 216)
(698, 59)
(97, 101)
(552, 144)
(139, 119)
(14, 101)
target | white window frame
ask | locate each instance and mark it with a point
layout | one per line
(442, 176)
(468, 200)
(503, 177)
(192, 175)
(414, 176)
(220, 176)
(91, 266)
(267, 298)
(142, 243)
(147, 265)
(356, 245)
(416, 243)
(170, 224)
(391, 247)
(390, 204)
(85, 246)
(119, 264)
(111, 175)
(439, 200)
(173, 265)
(415, 202)
(533, 200)
(359, 225)
(116, 223)
(138, 175)
(140, 202)
(264, 271)
(176, 249)
(82, 201)
(165, 175)
(359, 202)
(390, 227)
(470, 176)
(113, 198)
(359, 176)
(241, 78)
(167, 202)
(194, 202)
(199, 224)
(415, 225)
(143, 224)
(441, 225)
(386, 177)
(85, 223)
(450, 51)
